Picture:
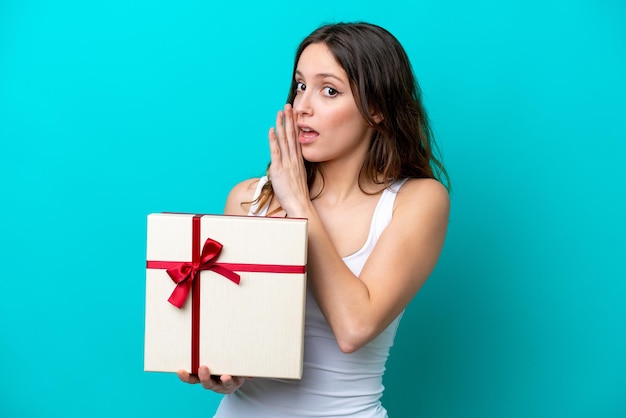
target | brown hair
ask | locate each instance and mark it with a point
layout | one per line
(383, 84)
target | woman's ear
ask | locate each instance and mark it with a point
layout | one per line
(376, 116)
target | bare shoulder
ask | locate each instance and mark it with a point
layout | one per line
(424, 192)
(240, 196)
(425, 199)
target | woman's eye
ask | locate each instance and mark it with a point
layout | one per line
(300, 86)
(329, 91)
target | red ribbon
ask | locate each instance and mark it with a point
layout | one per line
(183, 274)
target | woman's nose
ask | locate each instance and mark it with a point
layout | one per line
(302, 104)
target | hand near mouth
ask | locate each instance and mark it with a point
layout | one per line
(287, 171)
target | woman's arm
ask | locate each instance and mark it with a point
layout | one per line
(360, 308)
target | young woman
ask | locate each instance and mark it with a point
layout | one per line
(352, 152)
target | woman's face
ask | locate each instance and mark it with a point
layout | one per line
(330, 126)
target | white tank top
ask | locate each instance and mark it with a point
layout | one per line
(334, 384)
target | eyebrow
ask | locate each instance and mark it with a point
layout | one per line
(322, 75)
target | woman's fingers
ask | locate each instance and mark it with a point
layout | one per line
(287, 170)
(274, 147)
(229, 382)
(279, 131)
(284, 136)
(290, 130)
(221, 384)
(187, 378)
(207, 381)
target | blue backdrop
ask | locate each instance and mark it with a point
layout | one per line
(113, 110)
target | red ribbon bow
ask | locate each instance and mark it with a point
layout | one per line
(185, 273)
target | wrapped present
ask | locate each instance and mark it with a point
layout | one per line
(227, 292)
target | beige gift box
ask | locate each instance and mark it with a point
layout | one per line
(254, 328)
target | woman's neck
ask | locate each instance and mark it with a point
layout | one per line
(340, 183)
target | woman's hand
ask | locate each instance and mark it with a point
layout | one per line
(224, 384)
(287, 171)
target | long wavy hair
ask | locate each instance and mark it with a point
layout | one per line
(383, 84)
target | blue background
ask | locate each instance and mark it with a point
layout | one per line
(113, 110)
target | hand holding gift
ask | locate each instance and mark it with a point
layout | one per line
(225, 384)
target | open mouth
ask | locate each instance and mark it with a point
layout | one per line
(307, 135)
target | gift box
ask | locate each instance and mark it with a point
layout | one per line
(227, 292)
